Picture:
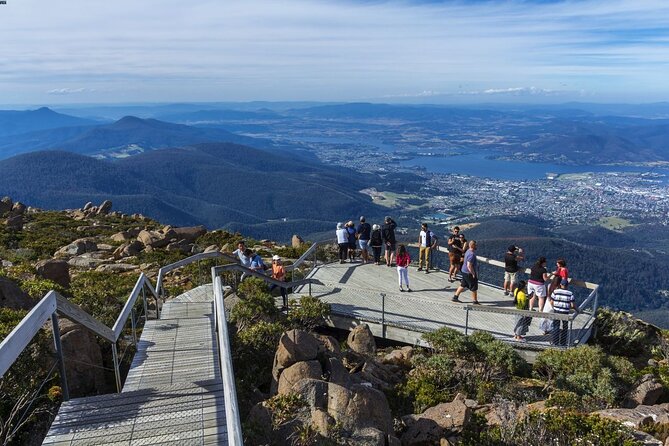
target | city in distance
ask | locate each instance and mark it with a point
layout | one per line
(588, 182)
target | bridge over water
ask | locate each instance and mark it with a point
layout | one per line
(180, 386)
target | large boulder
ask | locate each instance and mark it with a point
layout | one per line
(634, 418)
(14, 222)
(18, 208)
(11, 296)
(296, 241)
(361, 340)
(359, 407)
(55, 270)
(646, 392)
(296, 346)
(400, 357)
(89, 260)
(190, 234)
(77, 247)
(128, 249)
(154, 239)
(297, 372)
(105, 207)
(116, 267)
(85, 375)
(441, 421)
(6, 205)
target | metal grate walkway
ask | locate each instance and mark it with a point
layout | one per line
(172, 395)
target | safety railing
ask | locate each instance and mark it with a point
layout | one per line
(391, 310)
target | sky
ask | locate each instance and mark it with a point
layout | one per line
(133, 51)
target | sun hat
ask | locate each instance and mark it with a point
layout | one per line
(276, 257)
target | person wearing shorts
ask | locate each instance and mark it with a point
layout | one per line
(455, 251)
(536, 285)
(364, 233)
(470, 280)
(511, 258)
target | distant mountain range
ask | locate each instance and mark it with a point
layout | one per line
(14, 122)
(219, 185)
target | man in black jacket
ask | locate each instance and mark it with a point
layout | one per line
(388, 235)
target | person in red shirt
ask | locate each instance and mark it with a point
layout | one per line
(403, 261)
(561, 273)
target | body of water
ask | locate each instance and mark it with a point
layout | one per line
(477, 164)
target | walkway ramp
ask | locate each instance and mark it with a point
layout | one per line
(173, 394)
(355, 290)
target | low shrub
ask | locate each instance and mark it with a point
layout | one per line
(307, 313)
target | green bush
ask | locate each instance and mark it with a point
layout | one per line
(307, 313)
(256, 305)
(478, 365)
(38, 287)
(599, 379)
(284, 407)
(553, 427)
(102, 294)
(620, 333)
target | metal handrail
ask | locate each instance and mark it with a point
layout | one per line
(187, 261)
(232, 419)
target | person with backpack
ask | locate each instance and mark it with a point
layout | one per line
(364, 233)
(376, 242)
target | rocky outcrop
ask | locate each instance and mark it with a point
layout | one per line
(84, 376)
(89, 260)
(361, 340)
(18, 208)
(128, 250)
(295, 346)
(14, 222)
(296, 372)
(55, 270)
(77, 247)
(646, 392)
(105, 207)
(6, 205)
(11, 296)
(189, 234)
(296, 241)
(439, 422)
(116, 267)
(400, 357)
(637, 416)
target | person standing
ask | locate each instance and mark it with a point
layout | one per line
(342, 242)
(434, 252)
(403, 261)
(244, 260)
(521, 303)
(425, 242)
(389, 240)
(455, 252)
(563, 302)
(561, 273)
(376, 242)
(470, 280)
(536, 285)
(511, 258)
(279, 273)
(364, 233)
(350, 229)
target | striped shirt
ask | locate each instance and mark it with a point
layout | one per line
(562, 300)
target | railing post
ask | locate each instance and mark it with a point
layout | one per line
(146, 306)
(466, 320)
(117, 371)
(61, 359)
(309, 289)
(133, 324)
(383, 315)
(571, 327)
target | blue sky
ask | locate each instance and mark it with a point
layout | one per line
(393, 51)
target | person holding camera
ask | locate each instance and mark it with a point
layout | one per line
(511, 268)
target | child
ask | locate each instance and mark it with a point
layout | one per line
(403, 260)
(279, 273)
(522, 303)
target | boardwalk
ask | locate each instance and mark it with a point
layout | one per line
(172, 395)
(354, 290)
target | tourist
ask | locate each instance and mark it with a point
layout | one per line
(279, 273)
(426, 240)
(563, 302)
(244, 260)
(521, 303)
(364, 233)
(342, 242)
(376, 242)
(455, 251)
(403, 261)
(434, 252)
(536, 286)
(350, 229)
(511, 258)
(561, 273)
(388, 235)
(257, 263)
(470, 280)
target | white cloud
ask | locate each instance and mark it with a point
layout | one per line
(65, 91)
(332, 50)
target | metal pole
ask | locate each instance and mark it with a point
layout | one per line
(117, 371)
(133, 324)
(146, 307)
(199, 273)
(61, 358)
(383, 315)
(309, 289)
(571, 326)
(466, 320)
